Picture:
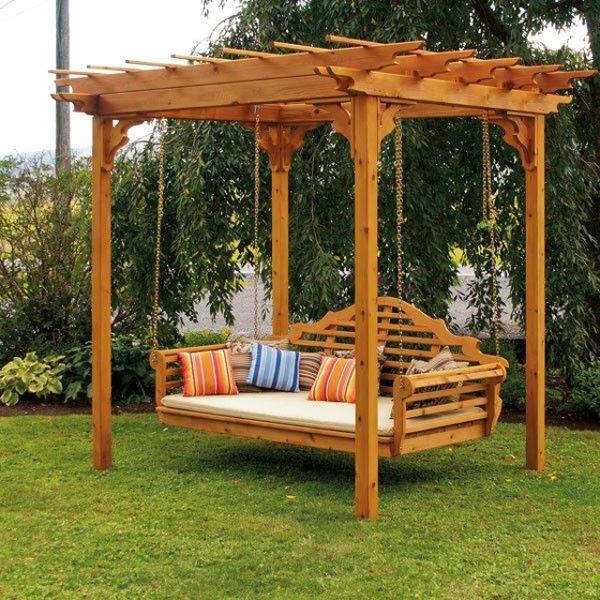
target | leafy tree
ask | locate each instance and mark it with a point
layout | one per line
(44, 256)
(208, 224)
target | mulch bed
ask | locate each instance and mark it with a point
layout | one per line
(32, 407)
(83, 407)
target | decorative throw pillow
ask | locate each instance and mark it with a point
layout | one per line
(274, 369)
(310, 363)
(244, 344)
(207, 373)
(336, 380)
(442, 361)
(351, 354)
(240, 363)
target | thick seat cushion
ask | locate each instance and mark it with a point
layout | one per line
(289, 408)
(293, 408)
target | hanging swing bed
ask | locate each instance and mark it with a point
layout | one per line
(359, 88)
(450, 402)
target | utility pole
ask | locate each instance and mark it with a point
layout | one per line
(63, 109)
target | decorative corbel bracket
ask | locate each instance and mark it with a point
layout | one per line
(117, 138)
(281, 141)
(87, 103)
(342, 119)
(518, 133)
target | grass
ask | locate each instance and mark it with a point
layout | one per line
(187, 515)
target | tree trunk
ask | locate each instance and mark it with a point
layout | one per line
(63, 114)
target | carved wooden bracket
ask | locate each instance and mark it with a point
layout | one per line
(116, 139)
(342, 119)
(281, 141)
(86, 103)
(518, 133)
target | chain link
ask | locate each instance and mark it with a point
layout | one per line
(162, 129)
(256, 208)
(399, 181)
(489, 215)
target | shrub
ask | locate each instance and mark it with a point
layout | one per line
(205, 337)
(30, 375)
(44, 256)
(513, 388)
(586, 391)
(132, 376)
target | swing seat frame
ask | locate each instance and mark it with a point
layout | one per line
(451, 396)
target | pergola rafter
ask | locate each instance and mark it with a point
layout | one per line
(358, 89)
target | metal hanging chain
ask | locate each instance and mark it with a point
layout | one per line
(256, 208)
(399, 181)
(162, 129)
(489, 215)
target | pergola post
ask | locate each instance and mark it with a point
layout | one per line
(280, 172)
(535, 346)
(365, 114)
(280, 142)
(101, 311)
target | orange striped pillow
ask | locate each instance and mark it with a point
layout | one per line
(207, 373)
(335, 381)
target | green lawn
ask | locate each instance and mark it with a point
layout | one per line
(186, 515)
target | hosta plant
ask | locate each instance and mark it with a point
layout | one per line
(30, 375)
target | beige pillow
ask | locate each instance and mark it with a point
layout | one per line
(243, 344)
(310, 363)
(240, 364)
(350, 354)
(442, 361)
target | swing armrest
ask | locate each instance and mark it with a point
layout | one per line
(445, 392)
(168, 375)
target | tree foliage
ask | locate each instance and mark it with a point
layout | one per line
(208, 225)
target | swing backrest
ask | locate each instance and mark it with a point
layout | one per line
(406, 332)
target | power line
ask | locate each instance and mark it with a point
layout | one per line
(6, 4)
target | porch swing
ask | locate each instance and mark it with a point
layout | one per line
(415, 411)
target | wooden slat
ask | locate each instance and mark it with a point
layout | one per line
(447, 379)
(456, 435)
(297, 47)
(251, 53)
(453, 391)
(427, 64)
(72, 72)
(118, 69)
(449, 406)
(201, 59)
(152, 63)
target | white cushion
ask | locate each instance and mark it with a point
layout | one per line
(293, 408)
(290, 408)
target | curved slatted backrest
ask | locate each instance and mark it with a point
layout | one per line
(406, 332)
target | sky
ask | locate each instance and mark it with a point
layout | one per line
(105, 32)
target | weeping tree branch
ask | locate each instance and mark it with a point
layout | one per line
(486, 13)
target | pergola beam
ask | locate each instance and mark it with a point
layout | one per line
(385, 85)
(288, 89)
(245, 69)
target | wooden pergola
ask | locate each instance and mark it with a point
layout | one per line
(359, 89)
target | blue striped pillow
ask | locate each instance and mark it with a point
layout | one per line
(274, 369)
